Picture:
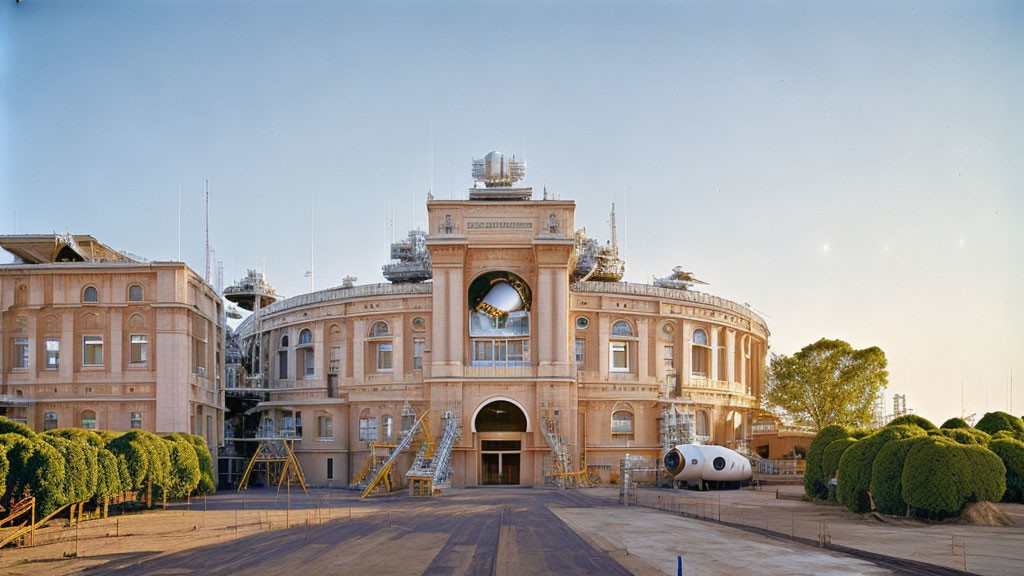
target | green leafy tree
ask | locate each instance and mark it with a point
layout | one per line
(828, 382)
(184, 474)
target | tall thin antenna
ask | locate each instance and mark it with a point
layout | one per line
(611, 221)
(431, 189)
(207, 231)
(625, 223)
(179, 222)
(311, 273)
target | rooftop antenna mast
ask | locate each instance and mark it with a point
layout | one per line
(207, 231)
(179, 222)
(612, 222)
(311, 273)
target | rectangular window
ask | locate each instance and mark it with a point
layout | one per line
(367, 429)
(21, 352)
(670, 356)
(139, 348)
(418, 346)
(307, 361)
(335, 367)
(384, 357)
(499, 352)
(50, 421)
(581, 351)
(330, 468)
(620, 357)
(282, 365)
(92, 351)
(52, 353)
(325, 427)
(136, 420)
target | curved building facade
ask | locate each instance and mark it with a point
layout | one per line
(506, 338)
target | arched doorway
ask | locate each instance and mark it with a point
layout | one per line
(501, 425)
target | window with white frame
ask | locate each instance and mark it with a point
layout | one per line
(52, 346)
(581, 351)
(50, 421)
(418, 346)
(92, 351)
(670, 356)
(139, 349)
(700, 354)
(368, 428)
(384, 359)
(619, 356)
(136, 420)
(21, 353)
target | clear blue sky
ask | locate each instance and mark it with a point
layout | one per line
(851, 170)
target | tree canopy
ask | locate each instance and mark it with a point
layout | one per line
(827, 382)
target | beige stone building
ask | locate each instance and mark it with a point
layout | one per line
(98, 339)
(523, 325)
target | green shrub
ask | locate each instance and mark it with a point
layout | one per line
(830, 460)
(79, 467)
(964, 435)
(8, 426)
(859, 433)
(146, 456)
(940, 477)
(912, 420)
(79, 435)
(108, 481)
(955, 423)
(5, 467)
(815, 482)
(42, 475)
(887, 474)
(184, 474)
(1011, 452)
(855, 466)
(1011, 434)
(996, 421)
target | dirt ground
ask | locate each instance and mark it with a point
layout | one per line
(511, 531)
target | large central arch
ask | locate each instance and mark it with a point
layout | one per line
(489, 401)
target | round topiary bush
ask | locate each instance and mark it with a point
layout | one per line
(184, 474)
(855, 466)
(108, 480)
(830, 461)
(994, 422)
(8, 426)
(912, 420)
(815, 482)
(79, 466)
(955, 423)
(146, 456)
(964, 435)
(1011, 452)
(887, 474)
(208, 480)
(940, 477)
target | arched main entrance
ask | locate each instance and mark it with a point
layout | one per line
(501, 425)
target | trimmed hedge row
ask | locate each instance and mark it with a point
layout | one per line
(940, 477)
(75, 465)
(855, 467)
(815, 481)
(910, 467)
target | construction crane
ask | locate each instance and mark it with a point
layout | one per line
(379, 475)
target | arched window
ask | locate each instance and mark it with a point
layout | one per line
(90, 294)
(622, 328)
(50, 421)
(700, 355)
(282, 359)
(284, 341)
(135, 293)
(380, 329)
(622, 422)
(88, 420)
(306, 343)
(702, 424)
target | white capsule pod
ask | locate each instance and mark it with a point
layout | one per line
(707, 466)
